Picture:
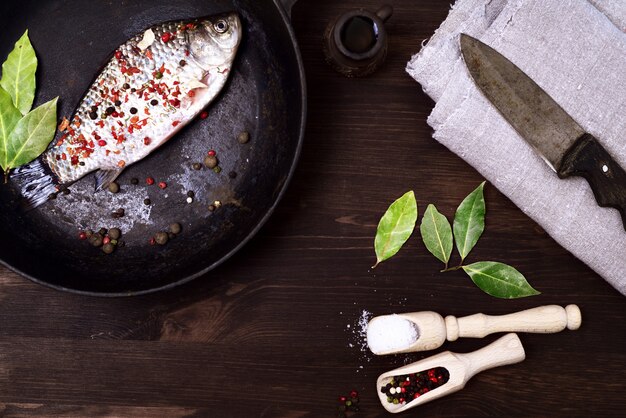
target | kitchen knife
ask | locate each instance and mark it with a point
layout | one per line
(559, 140)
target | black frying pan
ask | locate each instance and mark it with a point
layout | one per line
(265, 96)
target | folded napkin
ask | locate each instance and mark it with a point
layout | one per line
(575, 50)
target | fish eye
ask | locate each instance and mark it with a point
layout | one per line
(221, 26)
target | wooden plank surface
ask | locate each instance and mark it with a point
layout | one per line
(274, 331)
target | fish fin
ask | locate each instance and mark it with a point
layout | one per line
(37, 183)
(106, 177)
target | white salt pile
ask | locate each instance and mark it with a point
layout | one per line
(391, 333)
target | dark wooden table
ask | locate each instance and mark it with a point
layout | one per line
(272, 333)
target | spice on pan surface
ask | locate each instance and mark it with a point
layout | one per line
(407, 387)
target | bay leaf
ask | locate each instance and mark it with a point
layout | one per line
(499, 280)
(9, 116)
(32, 134)
(18, 74)
(395, 227)
(469, 221)
(437, 234)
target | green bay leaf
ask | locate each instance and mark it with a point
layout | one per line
(9, 116)
(32, 134)
(18, 74)
(499, 280)
(469, 221)
(437, 234)
(395, 227)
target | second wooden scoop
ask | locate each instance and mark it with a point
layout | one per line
(461, 368)
(432, 330)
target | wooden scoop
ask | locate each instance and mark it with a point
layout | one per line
(462, 367)
(433, 330)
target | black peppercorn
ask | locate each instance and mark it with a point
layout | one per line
(115, 233)
(133, 110)
(190, 193)
(154, 102)
(147, 202)
(126, 86)
(93, 115)
(196, 166)
(110, 110)
(182, 63)
(118, 103)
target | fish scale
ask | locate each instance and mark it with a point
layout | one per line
(166, 75)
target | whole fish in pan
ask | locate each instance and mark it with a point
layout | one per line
(153, 85)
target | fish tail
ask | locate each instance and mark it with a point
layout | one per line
(37, 183)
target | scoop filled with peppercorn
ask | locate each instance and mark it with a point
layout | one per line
(444, 373)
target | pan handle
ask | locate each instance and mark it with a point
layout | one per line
(287, 5)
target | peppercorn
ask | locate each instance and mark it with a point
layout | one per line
(154, 102)
(114, 241)
(110, 110)
(149, 181)
(147, 202)
(134, 180)
(232, 174)
(114, 187)
(133, 110)
(96, 240)
(82, 235)
(212, 208)
(243, 137)
(211, 153)
(118, 103)
(121, 211)
(126, 86)
(118, 55)
(115, 233)
(182, 63)
(190, 193)
(196, 166)
(210, 161)
(66, 191)
(106, 240)
(175, 228)
(94, 109)
(158, 75)
(161, 238)
(52, 196)
(166, 37)
(93, 115)
(217, 169)
(88, 232)
(152, 241)
(133, 90)
(108, 248)
(204, 115)
(162, 185)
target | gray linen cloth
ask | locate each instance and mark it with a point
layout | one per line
(575, 50)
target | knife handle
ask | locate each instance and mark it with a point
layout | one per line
(587, 158)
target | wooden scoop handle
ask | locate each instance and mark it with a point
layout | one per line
(503, 351)
(544, 319)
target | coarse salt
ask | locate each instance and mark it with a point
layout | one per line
(391, 333)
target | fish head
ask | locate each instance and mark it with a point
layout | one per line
(216, 40)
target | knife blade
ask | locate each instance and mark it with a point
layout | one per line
(562, 143)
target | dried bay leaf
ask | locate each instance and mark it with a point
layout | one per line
(395, 227)
(469, 221)
(437, 234)
(499, 280)
(18, 74)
